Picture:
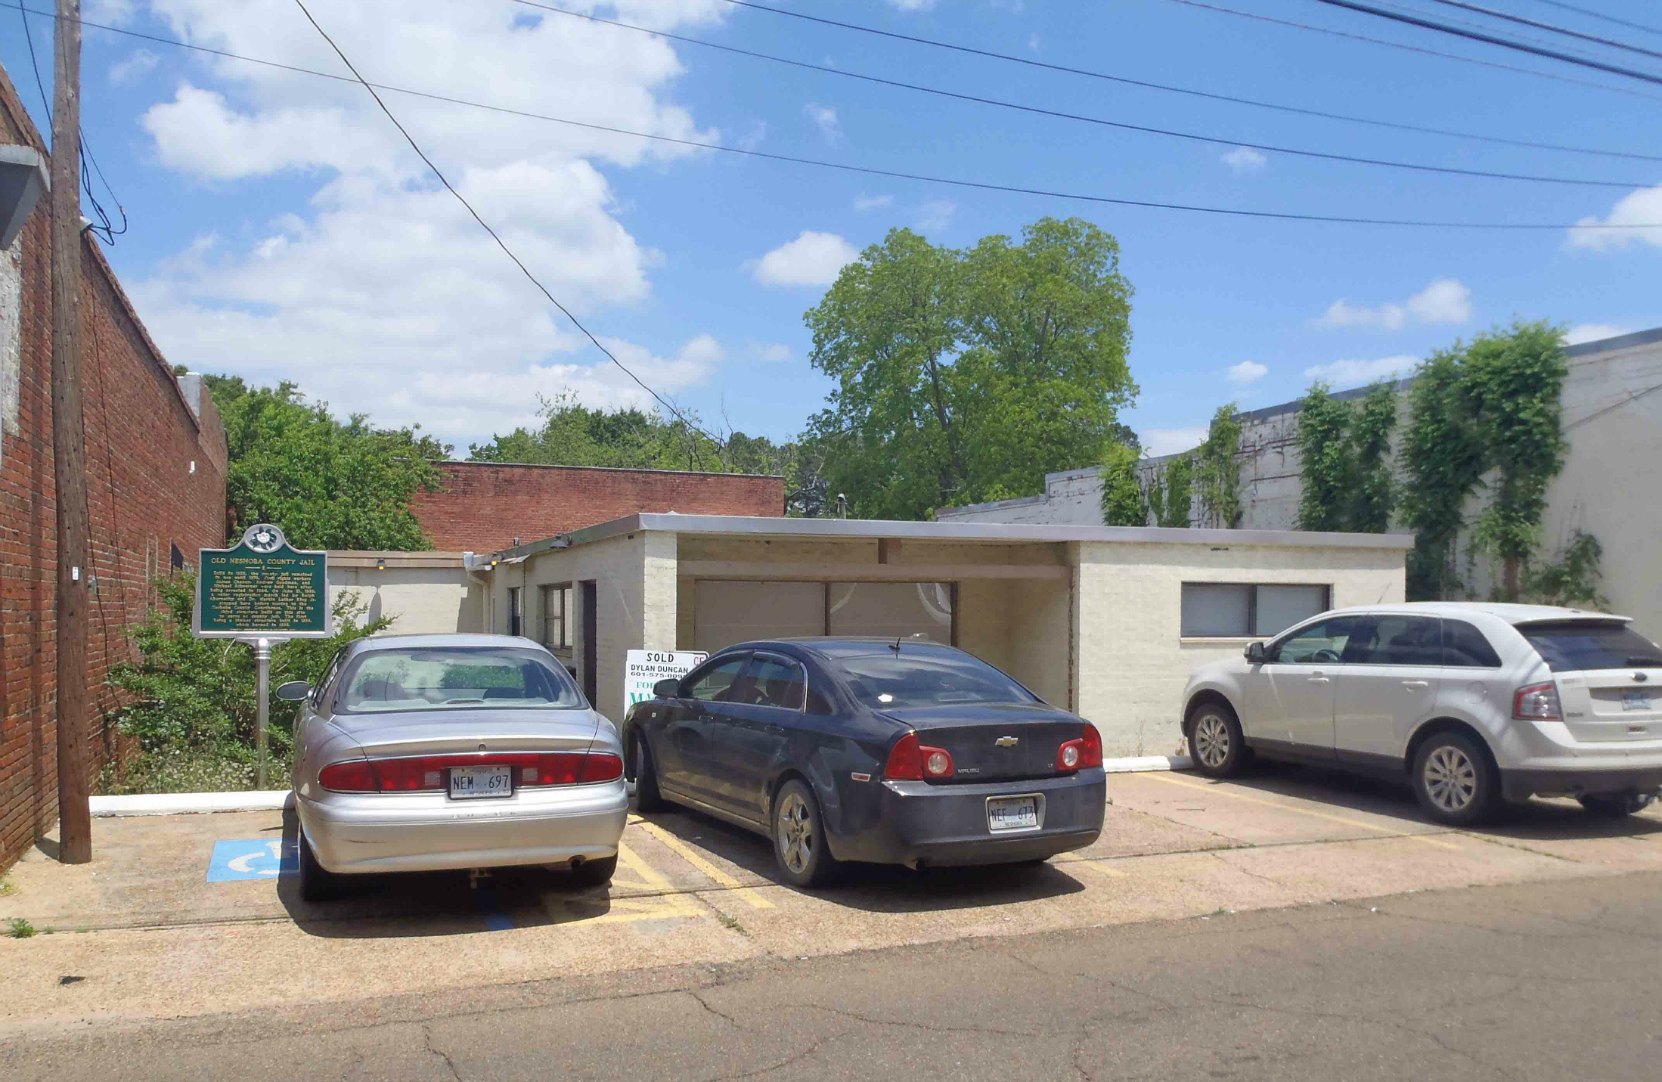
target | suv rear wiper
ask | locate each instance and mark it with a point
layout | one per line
(1646, 660)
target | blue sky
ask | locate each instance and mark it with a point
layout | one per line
(280, 229)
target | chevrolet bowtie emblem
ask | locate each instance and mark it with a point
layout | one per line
(1007, 741)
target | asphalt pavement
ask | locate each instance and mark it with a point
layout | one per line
(1543, 980)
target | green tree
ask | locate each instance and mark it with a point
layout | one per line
(1218, 469)
(1123, 503)
(328, 484)
(1514, 381)
(1323, 427)
(963, 376)
(572, 434)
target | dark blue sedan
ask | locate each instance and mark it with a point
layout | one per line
(894, 751)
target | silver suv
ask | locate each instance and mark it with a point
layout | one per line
(1472, 703)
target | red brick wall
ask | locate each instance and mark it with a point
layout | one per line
(483, 506)
(141, 438)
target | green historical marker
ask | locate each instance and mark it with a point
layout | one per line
(262, 589)
(261, 592)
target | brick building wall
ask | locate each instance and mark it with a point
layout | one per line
(484, 506)
(155, 458)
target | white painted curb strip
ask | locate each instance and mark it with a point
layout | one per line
(189, 803)
(276, 799)
(1140, 763)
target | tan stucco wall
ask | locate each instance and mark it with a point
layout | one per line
(419, 600)
(635, 599)
(1132, 659)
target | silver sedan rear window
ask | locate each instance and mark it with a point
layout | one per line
(454, 678)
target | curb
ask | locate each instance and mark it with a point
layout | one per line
(277, 799)
(1138, 764)
(188, 803)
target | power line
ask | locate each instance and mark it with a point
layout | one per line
(1422, 50)
(486, 226)
(1190, 91)
(1591, 14)
(104, 227)
(1506, 16)
(1351, 159)
(889, 174)
(1424, 23)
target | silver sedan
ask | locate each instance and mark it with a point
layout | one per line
(424, 753)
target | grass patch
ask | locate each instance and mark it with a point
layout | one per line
(18, 928)
(6, 887)
(732, 924)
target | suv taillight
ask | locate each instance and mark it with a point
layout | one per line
(910, 760)
(1081, 752)
(1537, 702)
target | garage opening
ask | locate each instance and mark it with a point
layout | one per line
(727, 611)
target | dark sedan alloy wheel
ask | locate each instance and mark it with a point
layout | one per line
(799, 837)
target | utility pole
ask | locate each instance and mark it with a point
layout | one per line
(68, 452)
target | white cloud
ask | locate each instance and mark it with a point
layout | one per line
(1245, 160)
(1640, 207)
(133, 67)
(378, 292)
(1355, 373)
(1033, 42)
(912, 5)
(825, 119)
(1445, 300)
(771, 352)
(1594, 332)
(812, 259)
(935, 215)
(1247, 372)
(872, 202)
(1169, 441)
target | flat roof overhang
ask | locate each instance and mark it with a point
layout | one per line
(837, 529)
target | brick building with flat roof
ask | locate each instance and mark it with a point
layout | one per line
(487, 506)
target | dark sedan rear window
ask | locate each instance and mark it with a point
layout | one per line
(1574, 646)
(935, 679)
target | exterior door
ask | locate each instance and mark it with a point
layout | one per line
(690, 761)
(591, 644)
(1289, 699)
(750, 732)
(1392, 674)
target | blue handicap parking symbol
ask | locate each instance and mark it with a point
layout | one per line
(251, 858)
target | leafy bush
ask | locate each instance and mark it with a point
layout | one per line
(192, 707)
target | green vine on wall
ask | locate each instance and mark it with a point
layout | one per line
(1489, 408)
(1218, 469)
(1346, 453)
(1123, 502)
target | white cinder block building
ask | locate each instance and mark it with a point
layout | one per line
(1104, 621)
(1612, 419)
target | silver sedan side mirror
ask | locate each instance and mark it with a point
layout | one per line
(294, 691)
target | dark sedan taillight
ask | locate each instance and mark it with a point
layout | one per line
(910, 760)
(1081, 752)
(424, 773)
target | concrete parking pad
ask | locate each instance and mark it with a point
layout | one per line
(161, 939)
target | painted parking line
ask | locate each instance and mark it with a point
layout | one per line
(1340, 819)
(664, 902)
(698, 860)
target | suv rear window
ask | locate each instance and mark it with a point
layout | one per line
(1573, 646)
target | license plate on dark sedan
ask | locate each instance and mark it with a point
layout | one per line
(1012, 813)
(473, 782)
